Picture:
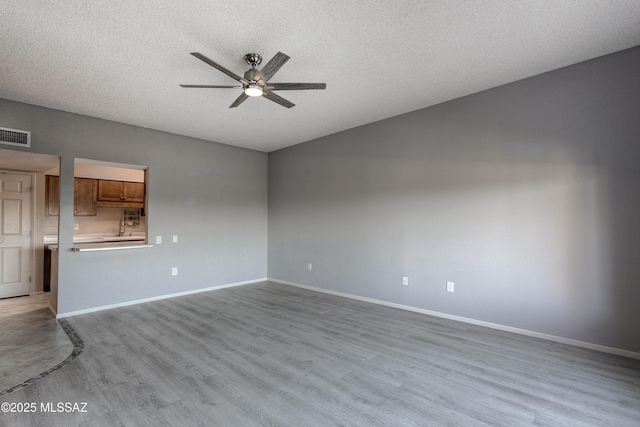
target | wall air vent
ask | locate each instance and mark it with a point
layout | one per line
(21, 138)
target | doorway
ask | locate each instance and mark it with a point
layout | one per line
(22, 222)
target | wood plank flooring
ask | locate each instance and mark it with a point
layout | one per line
(270, 354)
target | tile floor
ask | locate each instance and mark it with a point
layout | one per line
(31, 340)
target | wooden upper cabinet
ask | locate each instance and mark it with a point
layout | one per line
(117, 191)
(52, 196)
(89, 194)
(85, 192)
(85, 196)
(110, 191)
(133, 191)
(120, 193)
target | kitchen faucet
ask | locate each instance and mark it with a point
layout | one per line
(122, 230)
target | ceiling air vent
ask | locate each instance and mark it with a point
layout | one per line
(21, 138)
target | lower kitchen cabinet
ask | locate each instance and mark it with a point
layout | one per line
(46, 285)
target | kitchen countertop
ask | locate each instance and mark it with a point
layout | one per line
(101, 242)
(110, 246)
(98, 238)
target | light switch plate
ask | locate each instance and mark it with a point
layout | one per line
(175, 239)
(450, 286)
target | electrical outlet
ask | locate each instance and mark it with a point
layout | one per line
(175, 239)
(158, 240)
(309, 266)
(405, 280)
(76, 226)
(450, 286)
(174, 271)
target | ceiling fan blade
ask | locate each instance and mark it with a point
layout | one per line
(239, 100)
(272, 67)
(211, 86)
(218, 67)
(296, 86)
(278, 99)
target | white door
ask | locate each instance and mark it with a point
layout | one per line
(15, 234)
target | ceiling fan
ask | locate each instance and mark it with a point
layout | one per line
(256, 82)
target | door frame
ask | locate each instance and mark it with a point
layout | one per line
(37, 231)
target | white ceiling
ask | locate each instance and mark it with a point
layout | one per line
(123, 60)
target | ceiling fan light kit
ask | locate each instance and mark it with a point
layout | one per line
(254, 82)
(253, 90)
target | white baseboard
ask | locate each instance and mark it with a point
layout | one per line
(161, 297)
(554, 338)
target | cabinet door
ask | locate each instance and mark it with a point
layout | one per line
(133, 191)
(52, 196)
(85, 196)
(110, 191)
(46, 279)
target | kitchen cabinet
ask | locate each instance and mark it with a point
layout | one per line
(52, 195)
(133, 191)
(46, 283)
(85, 197)
(85, 192)
(120, 194)
(89, 194)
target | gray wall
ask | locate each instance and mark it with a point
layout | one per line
(527, 196)
(213, 196)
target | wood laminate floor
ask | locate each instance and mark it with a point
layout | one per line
(270, 354)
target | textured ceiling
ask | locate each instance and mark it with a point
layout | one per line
(123, 60)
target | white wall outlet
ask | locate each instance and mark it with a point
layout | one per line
(309, 266)
(450, 287)
(174, 271)
(175, 239)
(158, 240)
(405, 280)
(76, 226)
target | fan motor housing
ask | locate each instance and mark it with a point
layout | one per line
(250, 74)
